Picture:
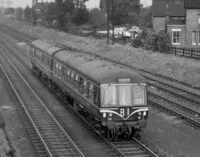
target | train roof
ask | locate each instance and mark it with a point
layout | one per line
(101, 71)
(45, 46)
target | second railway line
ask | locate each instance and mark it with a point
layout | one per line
(147, 153)
(175, 89)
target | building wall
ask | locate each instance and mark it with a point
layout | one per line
(171, 28)
(192, 25)
(158, 24)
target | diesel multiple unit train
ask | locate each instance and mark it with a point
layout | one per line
(114, 96)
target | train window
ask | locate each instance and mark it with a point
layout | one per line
(32, 51)
(85, 88)
(59, 70)
(65, 75)
(109, 96)
(81, 85)
(91, 92)
(72, 79)
(138, 95)
(68, 77)
(54, 68)
(45, 60)
(48, 61)
(77, 78)
(95, 95)
(124, 95)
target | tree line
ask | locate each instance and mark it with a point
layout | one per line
(69, 13)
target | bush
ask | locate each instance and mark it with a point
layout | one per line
(137, 42)
(149, 40)
(163, 41)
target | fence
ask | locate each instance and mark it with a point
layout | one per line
(182, 52)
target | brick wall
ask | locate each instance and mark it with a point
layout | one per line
(192, 24)
(182, 34)
(158, 23)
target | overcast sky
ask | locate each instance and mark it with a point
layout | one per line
(90, 4)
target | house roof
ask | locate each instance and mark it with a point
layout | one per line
(192, 4)
(176, 21)
(41, 5)
(159, 8)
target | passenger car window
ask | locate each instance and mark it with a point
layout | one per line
(125, 95)
(109, 96)
(72, 79)
(91, 92)
(85, 88)
(77, 82)
(138, 95)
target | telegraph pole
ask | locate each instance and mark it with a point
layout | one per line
(113, 37)
(108, 28)
(34, 2)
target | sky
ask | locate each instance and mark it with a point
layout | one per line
(90, 3)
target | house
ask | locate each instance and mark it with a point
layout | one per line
(38, 10)
(180, 18)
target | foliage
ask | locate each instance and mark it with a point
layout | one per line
(163, 41)
(61, 9)
(149, 40)
(19, 13)
(50, 14)
(80, 3)
(125, 11)
(28, 13)
(97, 19)
(146, 17)
(9, 11)
(80, 16)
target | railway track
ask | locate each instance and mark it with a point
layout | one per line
(50, 134)
(20, 36)
(175, 89)
(131, 150)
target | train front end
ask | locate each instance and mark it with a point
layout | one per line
(124, 107)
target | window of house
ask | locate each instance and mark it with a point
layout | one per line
(37, 11)
(176, 36)
(199, 17)
(177, 1)
(199, 38)
(193, 38)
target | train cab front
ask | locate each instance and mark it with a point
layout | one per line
(124, 106)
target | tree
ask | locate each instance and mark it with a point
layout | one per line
(9, 11)
(80, 16)
(97, 18)
(146, 17)
(28, 13)
(63, 10)
(19, 13)
(50, 14)
(125, 11)
(80, 3)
